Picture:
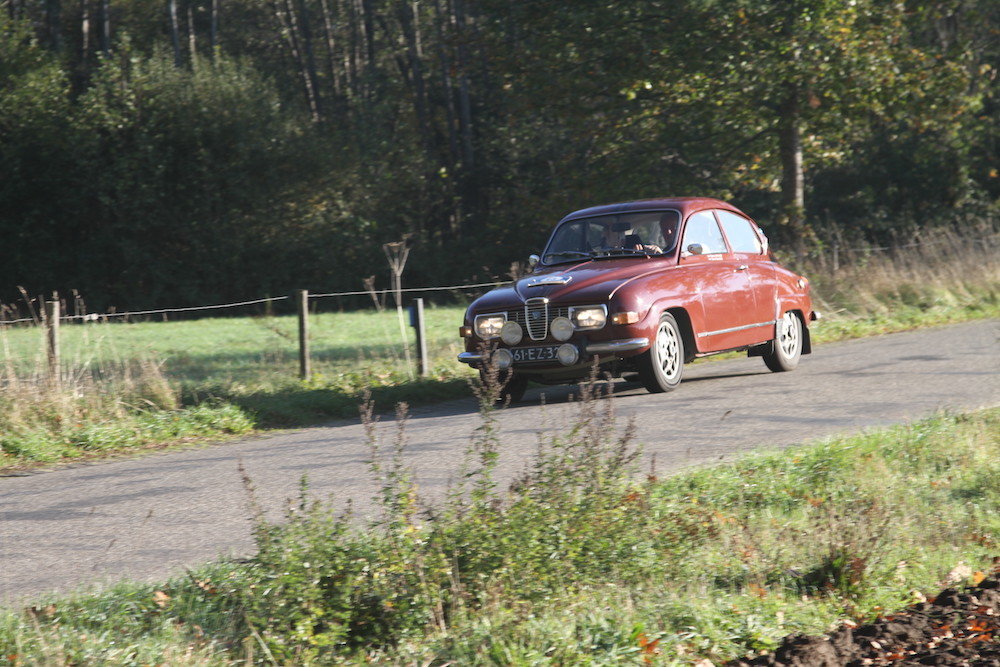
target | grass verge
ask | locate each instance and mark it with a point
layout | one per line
(579, 562)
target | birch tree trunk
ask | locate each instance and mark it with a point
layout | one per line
(175, 37)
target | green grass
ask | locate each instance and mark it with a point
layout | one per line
(581, 563)
(248, 366)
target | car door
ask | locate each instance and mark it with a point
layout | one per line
(747, 245)
(723, 286)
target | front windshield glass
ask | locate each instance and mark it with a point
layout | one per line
(624, 235)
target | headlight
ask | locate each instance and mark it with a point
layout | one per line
(567, 354)
(511, 333)
(503, 358)
(561, 328)
(489, 326)
(589, 317)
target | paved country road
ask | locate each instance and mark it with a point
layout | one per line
(149, 518)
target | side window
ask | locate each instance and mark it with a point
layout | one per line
(703, 230)
(741, 233)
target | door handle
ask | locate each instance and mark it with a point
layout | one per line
(742, 267)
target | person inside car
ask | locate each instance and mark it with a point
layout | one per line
(627, 240)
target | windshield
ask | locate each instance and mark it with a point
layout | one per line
(637, 233)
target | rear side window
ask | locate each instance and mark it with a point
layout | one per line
(703, 230)
(740, 232)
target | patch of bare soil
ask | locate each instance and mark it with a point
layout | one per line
(958, 627)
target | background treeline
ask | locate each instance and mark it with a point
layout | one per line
(181, 152)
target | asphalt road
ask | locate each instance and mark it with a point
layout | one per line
(149, 518)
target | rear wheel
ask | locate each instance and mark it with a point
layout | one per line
(661, 367)
(786, 348)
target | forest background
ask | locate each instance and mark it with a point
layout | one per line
(181, 152)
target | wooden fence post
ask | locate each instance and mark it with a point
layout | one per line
(52, 316)
(417, 322)
(303, 308)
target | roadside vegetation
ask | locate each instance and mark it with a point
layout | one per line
(582, 561)
(126, 387)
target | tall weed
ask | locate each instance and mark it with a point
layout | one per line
(83, 407)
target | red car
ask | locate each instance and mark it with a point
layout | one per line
(641, 288)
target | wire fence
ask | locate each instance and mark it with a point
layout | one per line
(335, 340)
(834, 257)
(90, 317)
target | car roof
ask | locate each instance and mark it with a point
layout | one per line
(684, 205)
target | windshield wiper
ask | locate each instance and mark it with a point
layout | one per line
(620, 252)
(566, 254)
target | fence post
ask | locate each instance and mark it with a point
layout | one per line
(417, 322)
(303, 308)
(52, 316)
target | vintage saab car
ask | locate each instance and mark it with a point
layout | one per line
(640, 288)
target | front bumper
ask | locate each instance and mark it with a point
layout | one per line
(587, 349)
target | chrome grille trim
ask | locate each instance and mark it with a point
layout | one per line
(537, 329)
(536, 317)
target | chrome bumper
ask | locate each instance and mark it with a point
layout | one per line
(602, 347)
(471, 358)
(616, 346)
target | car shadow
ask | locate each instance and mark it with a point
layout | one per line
(561, 394)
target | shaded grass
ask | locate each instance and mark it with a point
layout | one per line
(579, 562)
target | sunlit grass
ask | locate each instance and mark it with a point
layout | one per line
(593, 566)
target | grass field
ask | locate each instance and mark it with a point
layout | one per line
(136, 384)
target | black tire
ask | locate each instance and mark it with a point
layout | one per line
(786, 348)
(513, 390)
(662, 365)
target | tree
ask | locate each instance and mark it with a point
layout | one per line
(779, 86)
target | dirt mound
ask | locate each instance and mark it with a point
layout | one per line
(958, 627)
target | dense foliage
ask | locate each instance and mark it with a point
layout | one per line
(184, 151)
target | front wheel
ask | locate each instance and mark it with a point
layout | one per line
(511, 385)
(661, 367)
(786, 348)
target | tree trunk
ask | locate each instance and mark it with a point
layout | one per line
(404, 13)
(104, 16)
(464, 99)
(192, 37)
(53, 19)
(175, 36)
(213, 31)
(84, 34)
(352, 57)
(330, 33)
(288, 26)
(368, 20)
(446, 87)
(305, 28)
(792, 178)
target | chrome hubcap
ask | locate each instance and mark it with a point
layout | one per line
(788, 339)
(666, 351)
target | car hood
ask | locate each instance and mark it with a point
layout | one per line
(591, 281)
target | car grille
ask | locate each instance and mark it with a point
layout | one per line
(535, 317)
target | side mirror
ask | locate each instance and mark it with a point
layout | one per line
(696, 249)
(533, 260)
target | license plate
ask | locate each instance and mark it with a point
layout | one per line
(528, 354)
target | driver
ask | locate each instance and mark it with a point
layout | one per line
(628, 240)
